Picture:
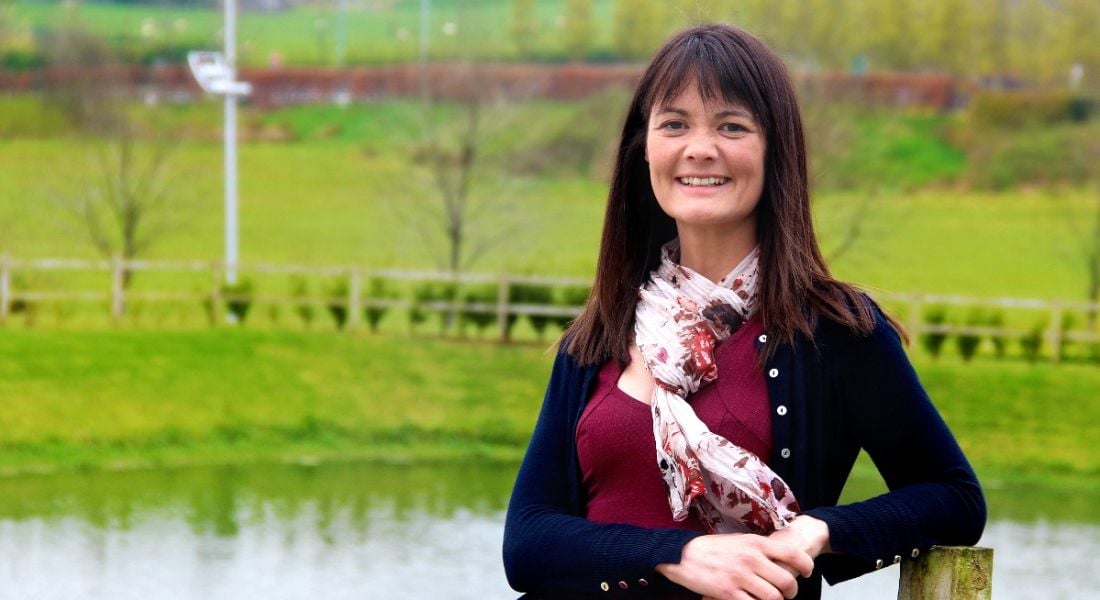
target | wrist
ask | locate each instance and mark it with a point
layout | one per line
(815, 532)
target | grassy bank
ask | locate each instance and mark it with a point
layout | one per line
(130, 398)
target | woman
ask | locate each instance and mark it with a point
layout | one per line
(706, 407)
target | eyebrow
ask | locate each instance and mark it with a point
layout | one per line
(736, 112)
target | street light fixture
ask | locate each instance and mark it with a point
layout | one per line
(217, 74)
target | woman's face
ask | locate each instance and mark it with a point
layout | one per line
(706, 163)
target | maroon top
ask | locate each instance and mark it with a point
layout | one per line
(617, 452)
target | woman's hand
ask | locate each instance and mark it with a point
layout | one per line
(805, 533)
(739, 567)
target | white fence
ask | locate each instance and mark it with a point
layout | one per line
(114, 292)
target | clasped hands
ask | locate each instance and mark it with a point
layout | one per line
(737, 566)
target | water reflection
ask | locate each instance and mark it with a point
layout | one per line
(332, 531)
(378, 531)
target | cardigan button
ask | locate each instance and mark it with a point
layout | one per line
(897, 558)
(785, 453)
(643, 583)
(878, 564)
(604, 586)
(915, 553)
(623, 585)
(763, 338)
(773, 373)
(781, 411)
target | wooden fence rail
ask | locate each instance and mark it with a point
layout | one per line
(116, 271)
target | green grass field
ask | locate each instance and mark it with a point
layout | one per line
(150, 397)
(162, 387)
(376, 32)
(342, 202)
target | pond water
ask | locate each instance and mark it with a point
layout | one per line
(388, 532)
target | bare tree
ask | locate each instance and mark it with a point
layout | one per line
(123, 207)
(456, 217)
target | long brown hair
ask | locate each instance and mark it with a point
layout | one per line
(732, 65)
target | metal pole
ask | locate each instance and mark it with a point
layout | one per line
(231, 145)
(425, 5)
(342, 34)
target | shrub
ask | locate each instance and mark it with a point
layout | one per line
(337, 302)
(303, 307)
(570, 296)
(968, 342)
(377, 289)
(1014, 108)
(1041, 155)
(431, 292)
(19, 305)
(1032, 342)
(484, 294)
(238, 299)
(273, 313)
(1067, 324)
(996, 320)
(1094, 352)
(527, 293)
(933, 340)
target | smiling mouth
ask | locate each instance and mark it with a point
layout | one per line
(702, 181)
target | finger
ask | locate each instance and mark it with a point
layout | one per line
(762, 589)
(781, 577)
(802, 563)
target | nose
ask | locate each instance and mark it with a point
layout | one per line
(701, 146)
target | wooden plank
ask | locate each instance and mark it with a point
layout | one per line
(948, 573)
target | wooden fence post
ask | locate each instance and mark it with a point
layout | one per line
(5, 288)
(916, 319)
(502, 308)
(948, 573)
(117, 274)
(355, 295)
(1054, 336)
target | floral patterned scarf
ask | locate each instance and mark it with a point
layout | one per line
(680, 318)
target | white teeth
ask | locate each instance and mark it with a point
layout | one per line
(702, 180)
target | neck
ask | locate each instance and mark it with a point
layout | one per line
(713, 254)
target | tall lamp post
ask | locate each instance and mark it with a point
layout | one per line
(216, 74)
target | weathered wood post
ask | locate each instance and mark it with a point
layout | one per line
(118, 274)
(503, 291)
(355, 297)
(5, 288)
(948, 573)
(1054, 335)
(915, 317)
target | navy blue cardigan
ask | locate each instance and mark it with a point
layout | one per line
(842, 393)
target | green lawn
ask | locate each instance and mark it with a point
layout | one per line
(376, 32)
(333, 202)
(145, 397)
